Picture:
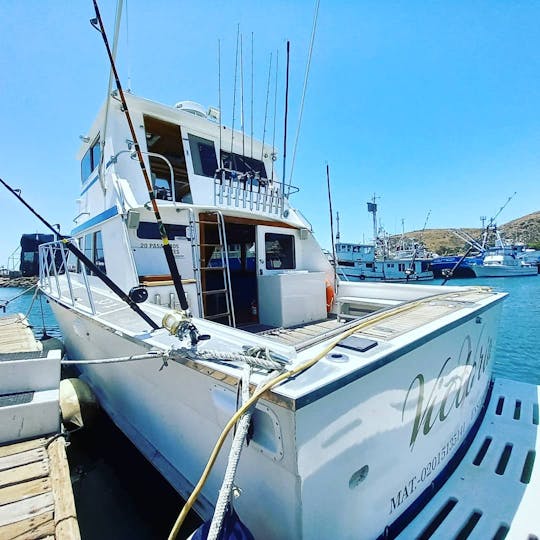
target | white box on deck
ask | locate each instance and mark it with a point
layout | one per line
(292, 298)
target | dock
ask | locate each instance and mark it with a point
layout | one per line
(36, 497)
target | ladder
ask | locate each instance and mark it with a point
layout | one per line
(211, 229)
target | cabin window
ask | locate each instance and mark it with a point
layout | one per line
(401, 267)
(99, 257)
(90, 160)
(89, 249)
(243, 164)
(203, 156)
(279, 251)
(150, 231)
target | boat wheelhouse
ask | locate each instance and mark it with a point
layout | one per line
(398, 374)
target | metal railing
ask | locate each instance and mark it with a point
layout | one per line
(248, 191)
(64, 278)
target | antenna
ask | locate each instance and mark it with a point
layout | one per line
(338, 237)
(242, 94)
(252, 95)
(234, 92)
(372, 209)
(331, 221)
(483, 220)
(266, 106)
(219, 102)
(286, 113)
(275, 109)
(304, 89)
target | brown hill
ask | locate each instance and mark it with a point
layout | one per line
(525, 229)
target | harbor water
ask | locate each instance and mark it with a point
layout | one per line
(118, 494)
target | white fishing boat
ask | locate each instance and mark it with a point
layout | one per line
(371, 390)
(503, 259)
(403, 371)
(503, 262)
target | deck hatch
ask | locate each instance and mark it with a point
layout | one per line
(358, 344)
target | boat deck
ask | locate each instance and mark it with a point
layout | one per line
(494, 491)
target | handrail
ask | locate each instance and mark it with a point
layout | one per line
(133, 155)
(79, 215)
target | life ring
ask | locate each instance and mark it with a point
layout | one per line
(329, 296)
(362, 277)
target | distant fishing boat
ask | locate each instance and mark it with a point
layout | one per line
(409, 262)
(503, 259)
(358, 262)
(503, 262)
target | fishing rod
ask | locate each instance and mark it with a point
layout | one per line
(449, 273)
(85, 260)
(167, 249)
(331, 223)
(285, 119)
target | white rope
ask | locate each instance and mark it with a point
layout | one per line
(116, 360)
(254, 361)
(225, 492)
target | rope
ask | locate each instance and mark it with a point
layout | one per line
(32, 303)
(225, 492)
(5, 303)
(253, 361)
(119, 359)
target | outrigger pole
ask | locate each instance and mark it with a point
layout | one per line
(167, 249)
(85, 260)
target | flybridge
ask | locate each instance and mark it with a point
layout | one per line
(190, 157)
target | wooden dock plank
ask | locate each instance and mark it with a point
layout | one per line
(17, 336)
(38, 526)
(21, 446)
(22, 458)
(24, 473)
(65, 514)
(21, 510)
(24, 490)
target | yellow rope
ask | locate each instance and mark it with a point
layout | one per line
(283, 376)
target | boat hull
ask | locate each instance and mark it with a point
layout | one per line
(504, 271)
(362, 449)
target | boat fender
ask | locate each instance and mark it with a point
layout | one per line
(77, 402)
(329, 296)
(50, 344)
(231, 529)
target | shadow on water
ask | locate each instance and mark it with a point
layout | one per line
(118, 493)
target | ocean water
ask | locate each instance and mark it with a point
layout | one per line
(119, 495)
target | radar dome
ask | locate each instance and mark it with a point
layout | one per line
(192, 107)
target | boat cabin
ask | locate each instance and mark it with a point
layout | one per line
(246, 256)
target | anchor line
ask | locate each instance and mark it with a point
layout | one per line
(86, 261)
(97, 23)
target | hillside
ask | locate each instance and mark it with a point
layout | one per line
(525, 229)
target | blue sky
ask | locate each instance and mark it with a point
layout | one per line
(432, 105)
